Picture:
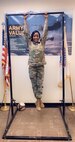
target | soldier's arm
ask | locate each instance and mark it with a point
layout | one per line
(45, 29)
(26, 29)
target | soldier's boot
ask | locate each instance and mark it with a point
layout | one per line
(42, 104)
(38, 104)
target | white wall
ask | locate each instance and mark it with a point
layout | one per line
(22, 90)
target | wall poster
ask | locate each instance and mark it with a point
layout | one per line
(18, 43)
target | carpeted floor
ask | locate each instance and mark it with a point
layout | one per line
(30, 122)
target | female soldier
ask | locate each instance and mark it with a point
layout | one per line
(36, 62)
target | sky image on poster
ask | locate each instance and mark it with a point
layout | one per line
(53, 46)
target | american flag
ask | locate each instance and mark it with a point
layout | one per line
(5, 65)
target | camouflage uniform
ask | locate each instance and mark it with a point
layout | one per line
(37, 60)
(36, 74)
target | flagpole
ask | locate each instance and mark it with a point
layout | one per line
(68, 74)
(72, 107)
(4, 107)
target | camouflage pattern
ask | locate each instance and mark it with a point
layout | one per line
(36, 74)
(36, 54)
(36, 60)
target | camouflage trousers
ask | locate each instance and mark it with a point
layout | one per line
(36, 75)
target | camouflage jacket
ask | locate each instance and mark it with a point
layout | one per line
(36, 51)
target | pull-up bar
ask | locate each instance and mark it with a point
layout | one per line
(13, 113)
(41, 13)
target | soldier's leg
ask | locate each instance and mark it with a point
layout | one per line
(32, 75)
(33, 78)
(40, 78)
